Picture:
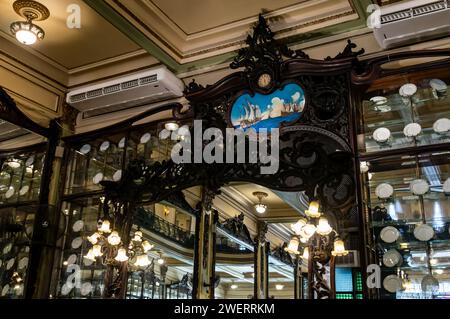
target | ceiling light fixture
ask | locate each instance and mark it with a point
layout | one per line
(27, 32)
(260, 207)
(279, 287)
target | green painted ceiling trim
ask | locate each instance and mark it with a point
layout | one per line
(139, 38)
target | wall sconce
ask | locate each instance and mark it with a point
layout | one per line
(27, 32)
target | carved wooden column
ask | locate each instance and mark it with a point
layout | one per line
(205, 248)
(298, 279)
(261, 286)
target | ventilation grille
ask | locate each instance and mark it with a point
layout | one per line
(113, 88)
(415, 11)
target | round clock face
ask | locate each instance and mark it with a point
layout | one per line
(264, 80)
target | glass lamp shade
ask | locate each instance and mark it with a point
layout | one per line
(97, 251)
(324, 228)
(105, 227)
(90, 255)
(93, 239)
(339, 248)
(308, 231)
(313, 210)
(297, 227)
(114, 239)
(279, 287)
(26, 32)
(260, 208)
(137, 236)
(147, 246)
(142, 261)
(292, 247)
(305, 253)
(121, 255)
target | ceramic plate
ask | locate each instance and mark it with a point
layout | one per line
(446, 186)
(438, 85)
(86, 289)
(392, 258)
(408, 90)
(164, 134)
(5, 290)
(392, 283)
(77, 242)
(381, 134)
(10, 192)
(29, 161)
(384, 190)
(429, 283)
(78, 226)
(389, 234)
(442, 125)
(23, 263)
(7, 249)
(117, 175)
(419, 187)
(97, 178)
(24, 190)
(1, 263)
(121, 143)
(104, 146)
(145, 138)
(424, 232)
(10, 263)
(379, 100)
(86, 148)
(412, 130)
(72, 259)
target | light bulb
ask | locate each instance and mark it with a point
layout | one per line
(142, 261)
(305, 253)
(97, 251)
(93, 239)
(26, 37)
(121, 255)
(279, 287)
(137, 236)
(308, 231)
(313, 210)
(105, 227)
(114, 238)
(292, 247)
(234, 286)
(90, 255)
(339, 248)
(297, 227)
(324, 228)
(147, 246)
(260, 208)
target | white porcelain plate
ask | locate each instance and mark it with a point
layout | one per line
(379, 100)
(424, 232)
(408, 90)
(419, 187)
(77, 242)
(86, 148)
(438, 85)
(72, 259)
(78, 226)
(117, 175)
(145, 138)
(446, 186)
(121, 143)
(389, 234)
(392, 258)
(7, 249)
(24, 190)
(442, 125)
(392, 283)
(104, 146)
(10, 263)
(23, 263)
(381, 134)
(412, 130)
(86, 288)
(65, 290)
(5, 290)
(384, 191)
(97, 178)
(29, 161)
(10, 192)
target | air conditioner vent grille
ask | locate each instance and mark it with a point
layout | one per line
(130, 84)
(432, 7)
(78, 97)
(111, 89)
(150, 79)
(94, 93)
(396, 16)
(415, 11)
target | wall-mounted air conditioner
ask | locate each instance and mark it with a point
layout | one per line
(128, 91)
(411, 22)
